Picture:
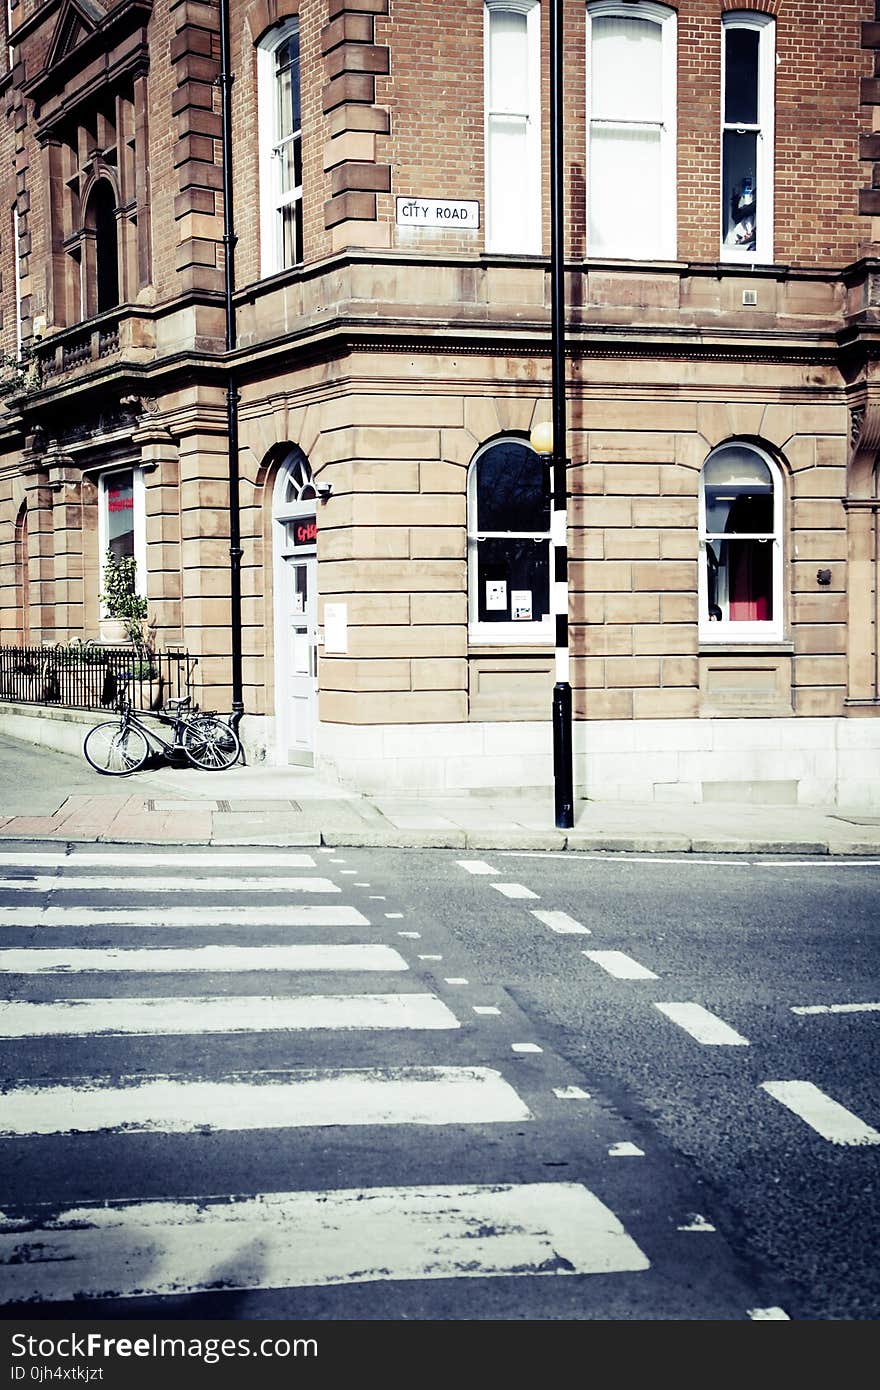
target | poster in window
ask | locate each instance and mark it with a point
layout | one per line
(521, 605)
(496, 595)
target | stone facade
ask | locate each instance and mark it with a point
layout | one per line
(391, 355)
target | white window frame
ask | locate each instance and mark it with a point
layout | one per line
(665, 245)
(723, 630)
(271, 199)
(502, 634)
(139, 518)
(530, 230)
(765, 25)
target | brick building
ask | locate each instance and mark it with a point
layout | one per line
(391, 209)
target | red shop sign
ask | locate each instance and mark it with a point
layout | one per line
(305, 532)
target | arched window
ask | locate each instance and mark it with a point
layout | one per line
(631, 104)
(740, 545)
(22, 576)
(509, 545)
(101, 247)
(281, 184)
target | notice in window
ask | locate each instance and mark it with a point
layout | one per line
(336, 629)
(496, 595)
(521, 605)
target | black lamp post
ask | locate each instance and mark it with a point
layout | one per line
(552, 442)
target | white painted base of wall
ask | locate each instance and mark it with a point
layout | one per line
(811, 762)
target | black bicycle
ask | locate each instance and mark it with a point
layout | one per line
(120, 746)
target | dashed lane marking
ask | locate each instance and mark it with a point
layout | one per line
(476, 866)
(620, 965)
(284, 1240)
(826, 1116)
(768, 1315)
(514, 890)
(702, 1025)
(560, 922)
(570, 1093)
(627, 1150)
(525, 1047)
(488, 1009)
(836, 1009)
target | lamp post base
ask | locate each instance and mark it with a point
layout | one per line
(563, 782)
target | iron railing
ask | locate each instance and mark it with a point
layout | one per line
(89, 676)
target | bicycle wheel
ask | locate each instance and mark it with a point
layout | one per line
(115, 748)
(210, 743)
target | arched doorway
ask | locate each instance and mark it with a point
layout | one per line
(294, 549)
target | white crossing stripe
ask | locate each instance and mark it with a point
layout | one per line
(560, 922)
(826, 1116)
(220, 914)
(835, 1009)
(170, 885)
(525, 1047)
(118, 1017)
(625, 1149)
(620, 965)
(168, 1105)
(285, 1240)
(476, 866)
(202, 859)
(514, 890)
(207, 958)
(706, 1027)
(570, 1093)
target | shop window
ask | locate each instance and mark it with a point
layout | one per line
(509, 545)
(747, 137)
(740, 546)
(278, 78)
(631, 100)
(513, 125)
(121, 520)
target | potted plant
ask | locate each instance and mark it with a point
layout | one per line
(124, 607)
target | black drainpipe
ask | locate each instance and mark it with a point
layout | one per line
(225, 81)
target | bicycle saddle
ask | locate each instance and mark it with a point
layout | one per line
(180, 703)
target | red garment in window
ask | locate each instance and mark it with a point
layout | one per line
(751, 580)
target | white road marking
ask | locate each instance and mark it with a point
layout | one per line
(514, 890)
(768, 1315)
(696, 1223)
(455, 980)
(836, 1009)
(560, 922)
(168, 1105)
(377, 897)
(221, 914)
(394, 916)
(626, 1150)
(620, 965)
(570, 1093)
(170, 885)
(826, 1116)
(488, 1009)
(208, 958)
(359, 884)
(119, 1017)
(525, 1047)
(826, 861)
(430, 957)
(348, 871)
(706, 1027)
(476, 866)
(203, 859)
(411, 935)
(284, 1240)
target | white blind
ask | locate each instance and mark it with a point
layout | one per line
(508, 62)
(626, 70)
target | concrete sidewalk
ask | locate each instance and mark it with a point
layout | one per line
(46, 794)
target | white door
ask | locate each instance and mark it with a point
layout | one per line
(299, 574)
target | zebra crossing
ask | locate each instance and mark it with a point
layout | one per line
(93, 1071)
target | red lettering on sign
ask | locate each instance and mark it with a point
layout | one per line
(305, 532)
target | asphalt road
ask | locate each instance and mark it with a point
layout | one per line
(593, 1109)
